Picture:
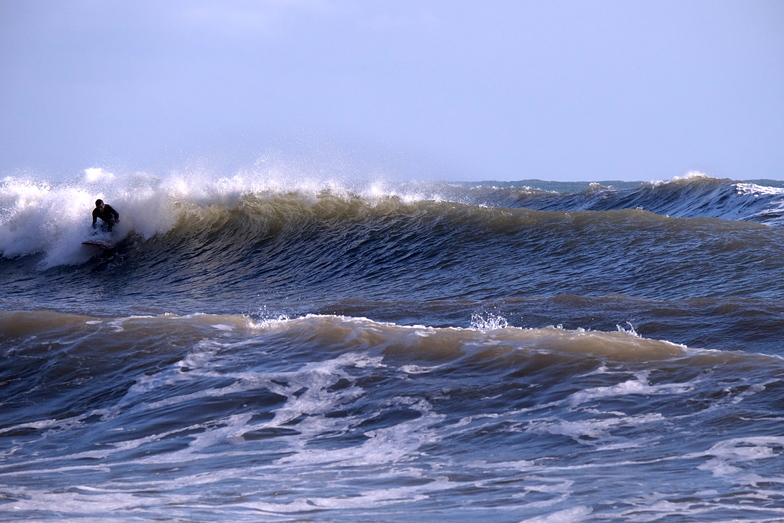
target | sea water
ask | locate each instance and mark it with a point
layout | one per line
(255, 348)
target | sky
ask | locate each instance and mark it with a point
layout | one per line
(565, 90)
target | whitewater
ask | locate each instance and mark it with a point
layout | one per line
(280, 346)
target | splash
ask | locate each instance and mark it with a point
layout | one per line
(488, 321)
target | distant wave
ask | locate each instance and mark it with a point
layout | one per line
(692, 196)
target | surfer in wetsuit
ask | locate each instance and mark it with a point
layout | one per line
(105, 213)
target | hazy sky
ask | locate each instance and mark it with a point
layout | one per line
(450, 89)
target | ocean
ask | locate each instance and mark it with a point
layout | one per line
(261, 347)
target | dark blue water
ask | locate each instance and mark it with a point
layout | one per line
(257, 349)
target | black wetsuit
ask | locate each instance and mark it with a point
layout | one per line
(108, 215)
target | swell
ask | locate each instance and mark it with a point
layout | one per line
(429, 247)
(52, 218)
(329, 247)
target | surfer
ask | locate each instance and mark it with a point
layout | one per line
(106, 213)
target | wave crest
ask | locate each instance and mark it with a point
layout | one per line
(39, 217)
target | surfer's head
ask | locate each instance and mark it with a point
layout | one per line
(98, 202)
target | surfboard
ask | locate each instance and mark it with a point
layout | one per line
(105, 245)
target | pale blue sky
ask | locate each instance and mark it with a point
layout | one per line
(458, 90)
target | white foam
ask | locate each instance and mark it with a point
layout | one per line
(314, 379)
(419, 369)
(36, 217)
(730, 457)
(596, 429)
(690, 175)
(568, 515)
(383, 446)
(638, 385)
(752, 189)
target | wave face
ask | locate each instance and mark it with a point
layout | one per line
(255, 347)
